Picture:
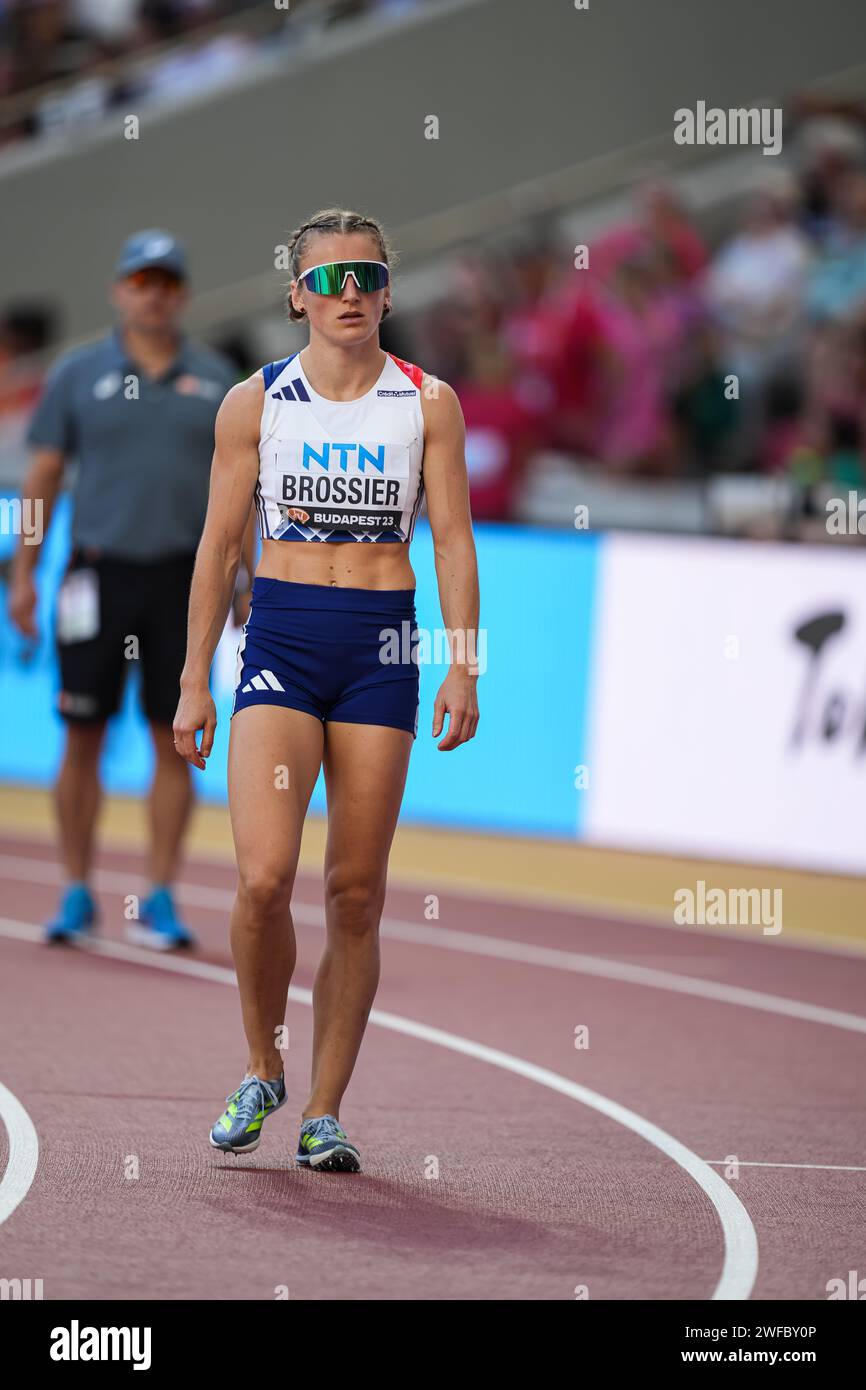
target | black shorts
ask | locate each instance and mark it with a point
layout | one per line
(141, 623)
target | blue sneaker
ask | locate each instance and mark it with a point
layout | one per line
(323, 1145)
(239, 1129)
(160, 928)
(76, 917)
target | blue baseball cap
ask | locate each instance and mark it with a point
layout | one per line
(152, 248)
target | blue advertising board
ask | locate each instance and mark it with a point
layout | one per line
(538, 592)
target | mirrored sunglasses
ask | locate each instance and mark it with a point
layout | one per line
(330, 278)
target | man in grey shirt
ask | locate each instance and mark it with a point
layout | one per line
(136, 411)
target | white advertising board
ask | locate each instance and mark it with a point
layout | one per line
(728, 706)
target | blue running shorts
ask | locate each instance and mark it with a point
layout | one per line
(348, 655)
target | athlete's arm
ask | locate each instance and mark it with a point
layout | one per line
(38, 491)
(232, 482)
(244, 580)
(447, 488)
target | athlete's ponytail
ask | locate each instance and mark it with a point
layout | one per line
(334, 220)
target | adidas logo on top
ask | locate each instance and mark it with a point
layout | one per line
(262, 682)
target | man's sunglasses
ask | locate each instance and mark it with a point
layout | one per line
(330, 279)
(153, 275)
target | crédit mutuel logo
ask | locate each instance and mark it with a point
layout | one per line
(77, 1343)
(738, 125)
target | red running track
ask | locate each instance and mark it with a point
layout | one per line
(500, 1160)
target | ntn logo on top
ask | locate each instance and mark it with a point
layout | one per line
(361, 454)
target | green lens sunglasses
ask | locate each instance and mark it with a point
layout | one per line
(330, 278)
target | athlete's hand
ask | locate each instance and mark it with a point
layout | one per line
(196, 710)
(22, 605)
(458, 698)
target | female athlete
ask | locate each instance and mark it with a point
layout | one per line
(337, 444)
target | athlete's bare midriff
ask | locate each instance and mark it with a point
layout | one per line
(346, 564)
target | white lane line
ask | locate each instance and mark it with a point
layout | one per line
(557, 959)
(754, 1163)
(499, 948)
(740, 1263)
(23, 1153)
(564, 903)
(740, 1266)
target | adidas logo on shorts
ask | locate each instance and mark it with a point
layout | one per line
(264, 681)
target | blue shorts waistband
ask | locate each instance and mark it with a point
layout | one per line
(286, 593)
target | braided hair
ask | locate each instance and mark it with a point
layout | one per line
(334, 220)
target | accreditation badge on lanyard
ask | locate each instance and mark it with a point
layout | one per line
(78, 606)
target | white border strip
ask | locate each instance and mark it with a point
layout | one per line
(757, 1163)
(740, 1263)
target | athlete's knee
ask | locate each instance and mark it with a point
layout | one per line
(83, 744)
(162, 738)
(352, 904)
(264, 889)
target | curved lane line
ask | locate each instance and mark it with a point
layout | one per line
(23, 1153)
(740, 1264)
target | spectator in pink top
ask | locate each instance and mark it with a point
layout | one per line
(666, 222)
(500, 432)
(642, 328)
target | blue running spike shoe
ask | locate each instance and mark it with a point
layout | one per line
(239, 1129)
(323, 1145)
(76, 916)
(160, 928)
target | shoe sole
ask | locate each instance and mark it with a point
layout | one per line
(156, 941)
(337, 1161)
(71, 938)
(233, 1149)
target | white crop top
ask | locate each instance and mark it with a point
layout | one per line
(340, 470)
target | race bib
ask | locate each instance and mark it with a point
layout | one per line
(357, 486)
(78, 607)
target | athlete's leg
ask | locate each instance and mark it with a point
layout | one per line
(160, 623)
(365, 773)
(171, 801)
(274, 758)
(77, 796)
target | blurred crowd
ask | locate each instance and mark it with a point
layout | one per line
(26, 332)
(670, 347)
(658, 353)
(71, 61)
